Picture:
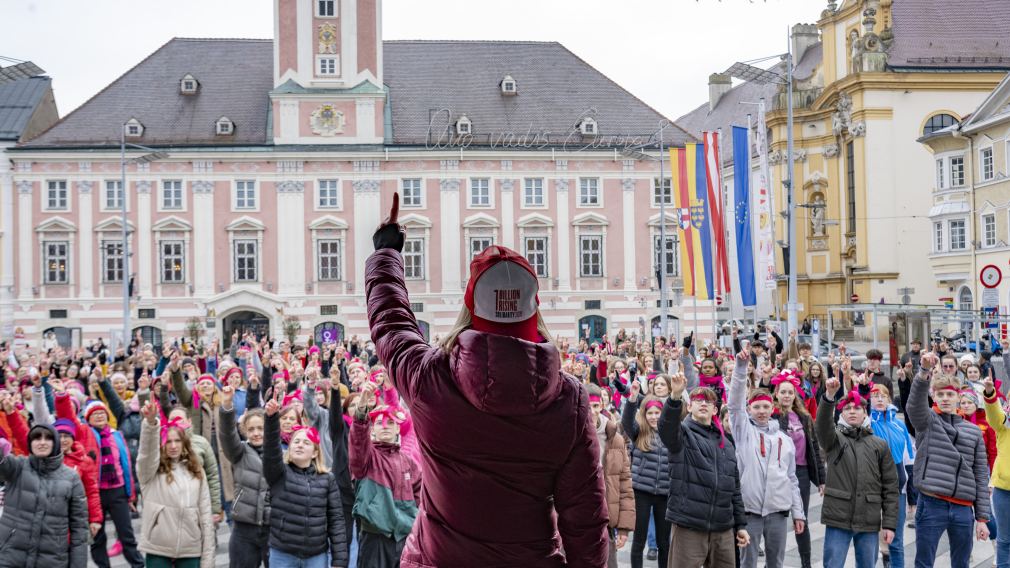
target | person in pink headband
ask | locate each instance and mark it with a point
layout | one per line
(767, 458)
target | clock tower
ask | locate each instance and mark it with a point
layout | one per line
(328, 72)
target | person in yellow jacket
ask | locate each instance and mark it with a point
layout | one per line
(1000, 477)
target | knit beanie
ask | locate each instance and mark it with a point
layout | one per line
(92, 407)
(971, 395)
(65, 426)
(502, 294)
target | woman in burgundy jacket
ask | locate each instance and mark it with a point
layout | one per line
(510, 455)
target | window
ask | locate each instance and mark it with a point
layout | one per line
(480, 192)
(171, 194)
(245, 194)
(536, 255)
(327, 66)
(590, 256)
(985, 160)
(172, 267)
(413, 259)
(989, 230)
(938, 122)
(112, 261)
(665, 256)
(411, 193)
(56, 195)
(588, 127)
(245, 260)
(665, 194)
(850, 184)
(509, 86)
(133, 128)
(114, 194)
(329, 194)
(533, 192)
(937, 237)
(464, 126)
(957, 235)
(188, 85)
(957, 171)
(589, 192)
(56, 261)
(941, 178)
(329, 260)
(225, 126)
(326, 8)
(478, 244)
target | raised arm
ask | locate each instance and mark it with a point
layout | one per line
(273, 458)
(737, 400)
(670, 429)
(918, 409)
(182, 390)
(580, 498)
(824, 425)
(227, 434)
(149, 455)
(116, 405)
(40, 410)
(360, 446)
(398, 341)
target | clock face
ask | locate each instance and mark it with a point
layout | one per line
(991, 276)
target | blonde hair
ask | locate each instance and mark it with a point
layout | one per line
(317, 461)
(465, 321)
(645, 432)
(943, 381)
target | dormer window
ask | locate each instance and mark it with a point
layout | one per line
(225, 127)
(133, 128)
(189, 85)
(464, 126)
(588, 127)
(509, 86)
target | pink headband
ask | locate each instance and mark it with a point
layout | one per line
(950, 387)
(374, 375)
(387, 413)
(311, 433)
(297, 395)
(231, 371)
(759, 398)
(206, 377)
(282, 375)
(173, 423)
(654, 404)
(594, 398)
(852, 398)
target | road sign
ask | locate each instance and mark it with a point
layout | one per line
(990, 298)
(906, 299)
(990, 318)
(990, 276)
(854, 298)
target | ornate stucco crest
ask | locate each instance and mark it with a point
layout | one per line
(327, 121)
(327, 38)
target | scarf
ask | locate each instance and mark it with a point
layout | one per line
(110, 473)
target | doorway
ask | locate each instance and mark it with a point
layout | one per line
(245, 321)
(593, 328)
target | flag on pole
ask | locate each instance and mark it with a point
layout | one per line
(714, 178)
(741, 200)
(690, 194)
(766, 275)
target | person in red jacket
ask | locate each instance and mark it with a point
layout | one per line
(509, 450)
(78, 460)
(973, 411)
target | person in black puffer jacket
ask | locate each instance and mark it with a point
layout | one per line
(249, 543)
(650, 473)
(306, 514)
(45, 518)
(705, 505)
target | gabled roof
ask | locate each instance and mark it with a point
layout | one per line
(940, 34)
(18, 101)
(995, 108)
(556, 89)
(235, 78)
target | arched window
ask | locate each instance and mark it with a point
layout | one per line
(328, 332)
(964, 304)
(938, 122)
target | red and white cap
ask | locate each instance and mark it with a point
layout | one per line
(502, 294)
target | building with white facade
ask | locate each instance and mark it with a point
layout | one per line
(283, 156)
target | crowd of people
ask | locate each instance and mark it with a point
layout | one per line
(497, 445)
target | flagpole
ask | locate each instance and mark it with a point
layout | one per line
(663, 307)
(750, 208)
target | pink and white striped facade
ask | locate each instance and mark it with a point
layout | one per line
(300, 211)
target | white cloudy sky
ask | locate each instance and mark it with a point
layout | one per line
(660, 50)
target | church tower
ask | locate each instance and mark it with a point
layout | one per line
(328, 72)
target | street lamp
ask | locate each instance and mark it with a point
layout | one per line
(760, 76)
(151, 156)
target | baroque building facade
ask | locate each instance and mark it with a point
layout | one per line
(872, 76)
(281, 156)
